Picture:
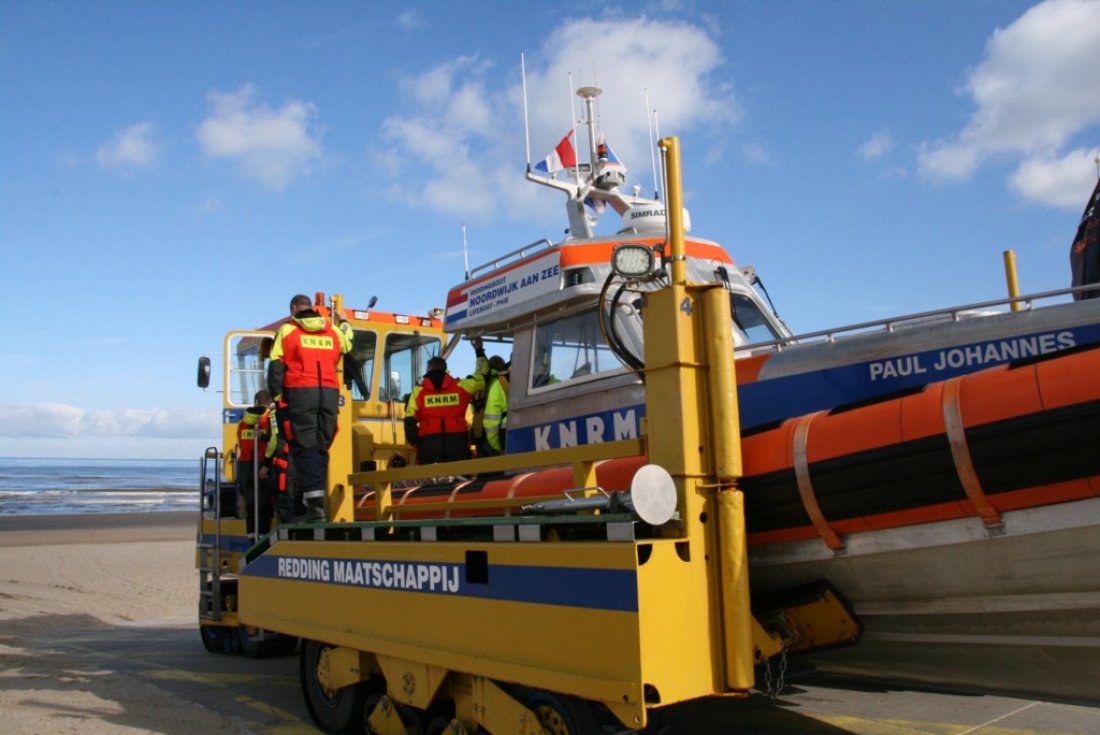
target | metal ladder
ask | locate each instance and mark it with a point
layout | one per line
(210, 492)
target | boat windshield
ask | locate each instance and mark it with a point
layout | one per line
(750, 320)
(572, 348)
(569, 349)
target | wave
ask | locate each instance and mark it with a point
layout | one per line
(47, 486)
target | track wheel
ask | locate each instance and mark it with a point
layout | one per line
(414, 720)
(231, 644)
(251, 640)
(441, 725)
(211, 637)
(288, 645)
(561, 714)
(374, 690)
(333, 711)
(259, 643)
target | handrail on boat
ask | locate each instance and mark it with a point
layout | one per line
(517, 254)
(954, 313)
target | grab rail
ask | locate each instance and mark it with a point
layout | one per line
(955, 313)
(518, 253)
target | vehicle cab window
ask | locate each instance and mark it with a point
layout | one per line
(248, 353)
(405, 360)
(359, 364)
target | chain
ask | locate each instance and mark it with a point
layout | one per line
(782, 683)
(774, 689)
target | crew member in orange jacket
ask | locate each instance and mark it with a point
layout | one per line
(256, 443)
(303, 377)
(435, 415)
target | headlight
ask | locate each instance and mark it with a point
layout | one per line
(631, 260)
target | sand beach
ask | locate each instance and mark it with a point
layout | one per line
(72, 590)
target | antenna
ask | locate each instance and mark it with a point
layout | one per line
(652, 145)
(526, 127)
(596, 85)
(573, 111)
(465, 250)
(590, 95)
(657, 130)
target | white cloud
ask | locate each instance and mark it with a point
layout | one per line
(40, 419)
(465, 128)
(411, 20)
(756, 154)
(133, 148)
(1064, 182)
(877, 146)
(1033, 92)
(56, 420)
(270, 146)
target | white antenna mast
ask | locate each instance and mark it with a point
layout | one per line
(526, 126)
(596, 84)
(652, 145)
(465, 249)
(573, 112)
(657, 130)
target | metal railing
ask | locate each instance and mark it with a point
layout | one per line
(954, 313)
(517, 254)
(210, 492)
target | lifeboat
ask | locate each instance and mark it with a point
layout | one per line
(961, 519)
(1015, 436)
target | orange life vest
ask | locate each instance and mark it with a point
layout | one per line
(441, 410)
(253, 426)
(311, 358)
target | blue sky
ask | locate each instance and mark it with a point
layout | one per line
(169, 171)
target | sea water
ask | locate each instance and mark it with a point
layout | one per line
(48, 486)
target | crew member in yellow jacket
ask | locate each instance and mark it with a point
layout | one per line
(495, 420)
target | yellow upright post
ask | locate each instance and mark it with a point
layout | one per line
(675, 380)
(340, 501)
(692, 418)
(1010, 276)
(722, 385)
(733, 559)
(674, 210)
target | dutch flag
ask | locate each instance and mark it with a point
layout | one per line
(562, 157)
